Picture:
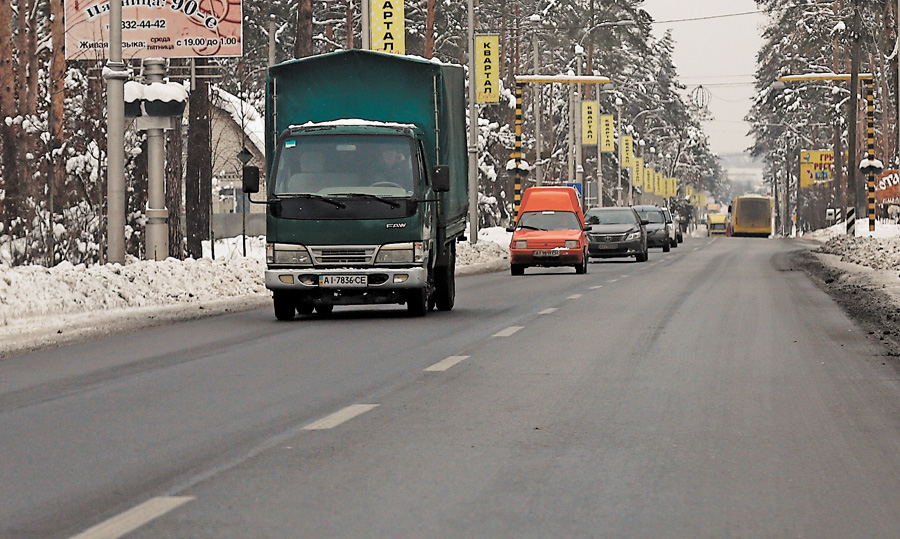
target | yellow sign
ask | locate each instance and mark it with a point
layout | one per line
(689, 191)
(816, 168)
(627, 147)
(649, 180)
(673, 187)
(637, 173)
(388, 28)
(487, 69)
(589, 127)
(660, 188)
(607, 134)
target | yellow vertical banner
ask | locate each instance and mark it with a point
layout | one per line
(589, 127)
(649, 180)
(627, 147)
(660, 185)
(487, 69)
(637, 173)
(607, 133)
(688, 191)
(388, 26)
(673, 188)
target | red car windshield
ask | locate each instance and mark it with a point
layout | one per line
(549, 220)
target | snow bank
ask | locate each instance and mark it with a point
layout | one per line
(37, 291)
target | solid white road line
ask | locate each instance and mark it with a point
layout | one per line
(335, 419)
(511, 330)
(134, 518)
(551, 310)
(445, 364)
(574, 296)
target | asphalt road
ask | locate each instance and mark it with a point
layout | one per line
(712, 391)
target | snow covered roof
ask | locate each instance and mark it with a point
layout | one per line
(357, 122)
(243, 114)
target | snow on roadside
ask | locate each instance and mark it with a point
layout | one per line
(35, 292)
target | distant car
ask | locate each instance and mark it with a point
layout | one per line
(616, 232)
(673, 233)
(657, 228)
(549, 231)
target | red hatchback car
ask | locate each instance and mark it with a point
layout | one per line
(549, 231)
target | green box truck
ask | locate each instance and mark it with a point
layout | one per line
(367, 190)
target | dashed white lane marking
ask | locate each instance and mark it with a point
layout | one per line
(695, 249)
(134, 518)
(335, 419)
(599, 286)
(508, 331)
(574, 296)
(551, 310)
(626, 276)
(446, 363)
(613, 281)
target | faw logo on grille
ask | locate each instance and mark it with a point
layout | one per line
(395, 225)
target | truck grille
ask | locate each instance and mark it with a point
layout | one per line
(343, 255)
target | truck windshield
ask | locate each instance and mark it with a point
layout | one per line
(346, 165)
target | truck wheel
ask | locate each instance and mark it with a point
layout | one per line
(284, 305)
(517, 269)
(417, 302)
(444, 295)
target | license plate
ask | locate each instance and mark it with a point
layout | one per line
(546, 254)
(349, 281)
(602, 246)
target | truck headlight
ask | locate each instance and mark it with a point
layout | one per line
(571, 244)
(401, 253)
(288, 254)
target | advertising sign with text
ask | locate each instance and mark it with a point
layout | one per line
(388, 26)
(155, 29)
(627, 151)
(887, 187)
(589, 126)
(816, 168)
(637, 173)
(487, 69)
(607, 133)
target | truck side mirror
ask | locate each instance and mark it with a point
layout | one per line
(250, 179)
(440, 178)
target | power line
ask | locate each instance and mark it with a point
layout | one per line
(723, 16)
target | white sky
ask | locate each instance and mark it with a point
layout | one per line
(718, 53)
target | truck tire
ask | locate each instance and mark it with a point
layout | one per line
(445, 283)
(417, 302)
(284, 305)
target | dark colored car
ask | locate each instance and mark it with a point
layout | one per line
(657, 228)
(673, 227)
(616, 232)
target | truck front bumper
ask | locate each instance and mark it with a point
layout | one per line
(308, 279)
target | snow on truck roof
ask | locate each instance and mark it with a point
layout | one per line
(355, 122)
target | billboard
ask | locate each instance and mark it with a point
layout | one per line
(388, 26)
(627, 151)
(887, 187)
(589, 126)
(607, 133)
(816, 168)
(155, 29)
(487, 69)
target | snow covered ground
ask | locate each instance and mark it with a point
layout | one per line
(41, 305)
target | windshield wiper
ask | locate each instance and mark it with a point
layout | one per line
(333, 202)
(529, 227)
(390, 203)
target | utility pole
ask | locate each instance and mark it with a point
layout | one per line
(473, 129)
(853, 160)
(115, 75)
